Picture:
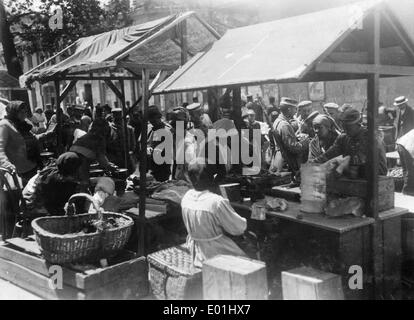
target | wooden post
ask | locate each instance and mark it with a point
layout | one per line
(58, 119)
(125, 141)
(143, 162)
(238, 121)
(373, 161)
(183, 41)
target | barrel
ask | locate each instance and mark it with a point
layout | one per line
(313, 188)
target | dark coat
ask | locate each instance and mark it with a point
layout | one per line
(404, 123)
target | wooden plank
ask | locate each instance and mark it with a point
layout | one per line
(29, 246)
(103, 78)
(87, 279)
(392, 213)
(354, 68)
(339, 225)
(392, 255)
(310, 284)
(34, 282)
(93, 67)
(101, 277)
(36, 264)
(234, 278)
(149, 66)
(291, 194)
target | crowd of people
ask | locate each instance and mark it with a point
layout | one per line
(291, 133)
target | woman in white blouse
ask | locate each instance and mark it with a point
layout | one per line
(207, 216)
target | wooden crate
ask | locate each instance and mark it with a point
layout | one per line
(306, 283)
(358, 188)
(234, 278)
(126, 276)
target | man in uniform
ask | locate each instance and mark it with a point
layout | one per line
(284, 135)
(354, 143)
(332, 110)
(199, 119)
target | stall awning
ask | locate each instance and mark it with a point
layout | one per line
(147, 43)
(279, 51)
(8, 82)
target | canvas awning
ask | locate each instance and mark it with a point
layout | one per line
(8, 82)
(289, 50)
(148, 43)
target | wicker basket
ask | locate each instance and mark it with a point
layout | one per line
(172, 275)
(60, 244)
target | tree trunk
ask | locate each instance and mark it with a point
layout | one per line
(10, 54)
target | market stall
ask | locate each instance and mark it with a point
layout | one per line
(368, 43)
(145, 53)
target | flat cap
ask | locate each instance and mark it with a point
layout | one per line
(350, 115)
(193, 106)
(331, 105)
(288, 102)
(304, 103)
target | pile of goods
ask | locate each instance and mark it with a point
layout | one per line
(81, 237)
(326, 190)
(396, 172)
(95, 225)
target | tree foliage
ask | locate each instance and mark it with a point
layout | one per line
(81, 18)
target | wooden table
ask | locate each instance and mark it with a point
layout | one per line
(336, 244)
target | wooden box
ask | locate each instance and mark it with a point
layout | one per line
(234, 278)
(310, 284)
(358, 188)
(126, 277)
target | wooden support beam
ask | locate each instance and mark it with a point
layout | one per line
(208, 27)
(367, 69)
(101, 78)
(183, 41)
(58, 119)
(405, 40)
(67, 89)
(93, 67)
(238, 121)
(125, 141)
(160, 77)
(143, 162)
(50, 59)
(115, 90)
(372, 166)
(148, 66)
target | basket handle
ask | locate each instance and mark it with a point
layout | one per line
(87, 196)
